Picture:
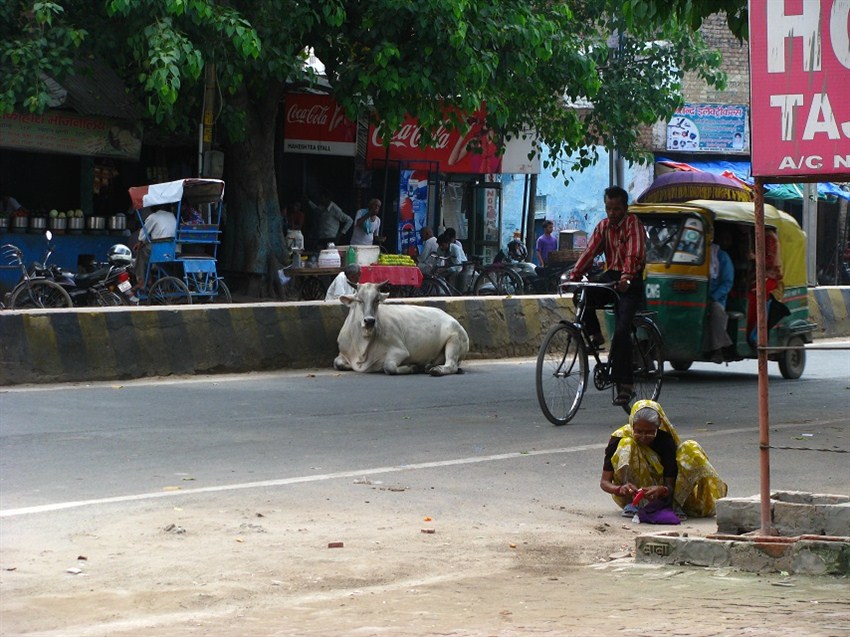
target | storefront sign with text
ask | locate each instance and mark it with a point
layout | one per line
(316, 125)
(71, 134)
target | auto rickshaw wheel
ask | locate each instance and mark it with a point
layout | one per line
(792, 362)
(681, 366)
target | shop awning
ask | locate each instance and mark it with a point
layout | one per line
(740, 170)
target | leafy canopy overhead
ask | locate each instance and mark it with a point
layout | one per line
(525, 59)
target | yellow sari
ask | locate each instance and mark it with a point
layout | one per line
(698, 485)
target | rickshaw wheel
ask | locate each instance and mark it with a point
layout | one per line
(681, 366)
(224, 295)
(793, 361)
(169, 290)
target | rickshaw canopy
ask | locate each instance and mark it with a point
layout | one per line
(195, 191)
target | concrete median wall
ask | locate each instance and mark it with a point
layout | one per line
(50, 346)
(829, 307)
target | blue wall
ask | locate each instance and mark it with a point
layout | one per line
(577, 205)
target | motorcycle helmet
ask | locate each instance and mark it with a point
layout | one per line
(119, 254)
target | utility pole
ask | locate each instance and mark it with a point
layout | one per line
(207, 120)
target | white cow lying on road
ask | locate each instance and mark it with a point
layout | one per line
(398, 339)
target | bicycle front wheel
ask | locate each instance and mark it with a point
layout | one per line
(561, 374)
(647, 359)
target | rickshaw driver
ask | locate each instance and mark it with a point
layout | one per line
(159, 225)
(622, 238)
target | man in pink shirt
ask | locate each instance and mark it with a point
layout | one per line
(622, 238)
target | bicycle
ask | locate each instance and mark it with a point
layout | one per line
(562, 362)
(32, 291)
(471, 278)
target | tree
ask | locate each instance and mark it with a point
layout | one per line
(524, 59)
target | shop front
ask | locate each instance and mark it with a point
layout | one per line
(67, 173)
(454, 184)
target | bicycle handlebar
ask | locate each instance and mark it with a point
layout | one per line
(583, 285)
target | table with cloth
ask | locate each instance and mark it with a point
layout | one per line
(313, 282)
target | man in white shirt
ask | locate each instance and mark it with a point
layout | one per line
(344, 283)
(367, 224)
(159, 226)
(429, 244)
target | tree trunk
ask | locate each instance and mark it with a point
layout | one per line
(253, 237)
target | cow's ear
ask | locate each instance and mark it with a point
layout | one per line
(345, 299)
(384, 296)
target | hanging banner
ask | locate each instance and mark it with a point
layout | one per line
(800, 87)
(316, 125)
(71, 134)
(456, 150)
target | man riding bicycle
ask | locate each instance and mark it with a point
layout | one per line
(621, 237)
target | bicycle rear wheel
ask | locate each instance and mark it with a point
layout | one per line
(431, 286)
(501, 281)
(647, 359)
(561, 373)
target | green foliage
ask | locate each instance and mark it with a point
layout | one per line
(527, 60)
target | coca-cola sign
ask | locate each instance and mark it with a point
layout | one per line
(316, 125)
(453, 150)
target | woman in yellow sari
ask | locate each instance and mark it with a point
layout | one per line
(647, 453)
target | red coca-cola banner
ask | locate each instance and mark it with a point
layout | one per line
(316, 125)
(800, 87)
(452, 149)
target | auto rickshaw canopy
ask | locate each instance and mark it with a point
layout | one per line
(792, 239)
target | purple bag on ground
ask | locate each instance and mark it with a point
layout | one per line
(658, 513)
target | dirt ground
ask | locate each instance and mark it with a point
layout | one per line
(259, 563)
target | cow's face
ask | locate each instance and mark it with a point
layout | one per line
(366, 299)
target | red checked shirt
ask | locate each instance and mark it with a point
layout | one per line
(624, 246)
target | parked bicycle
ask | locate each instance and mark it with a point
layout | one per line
(32, 291)
(563, 365)
(470, 278)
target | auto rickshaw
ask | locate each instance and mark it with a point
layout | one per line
(678, 255)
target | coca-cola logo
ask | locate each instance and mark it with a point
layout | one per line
(409, 136)
(316, 115)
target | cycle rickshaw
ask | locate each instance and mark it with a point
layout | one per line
(182, 269)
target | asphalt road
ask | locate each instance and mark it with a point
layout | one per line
(64, 446)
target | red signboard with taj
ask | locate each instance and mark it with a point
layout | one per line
(317, 125)
(800, 87)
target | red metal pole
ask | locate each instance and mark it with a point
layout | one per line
(761, 322)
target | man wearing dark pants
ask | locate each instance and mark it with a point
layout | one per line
(622, 238)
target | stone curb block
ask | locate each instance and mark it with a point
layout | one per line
(803, 555)
(792, 513)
